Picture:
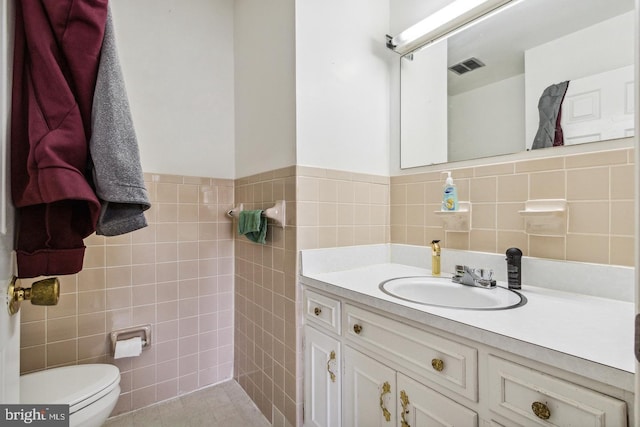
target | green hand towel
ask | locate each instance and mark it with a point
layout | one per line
(253, 225)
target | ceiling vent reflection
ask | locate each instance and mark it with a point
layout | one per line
(467, 65)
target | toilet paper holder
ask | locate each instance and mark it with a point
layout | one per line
(142, 331)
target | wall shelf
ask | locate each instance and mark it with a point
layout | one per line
(459, 220)
(545, 217)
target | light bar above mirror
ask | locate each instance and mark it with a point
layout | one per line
(453, 17)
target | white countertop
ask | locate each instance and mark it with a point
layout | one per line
(587, 335)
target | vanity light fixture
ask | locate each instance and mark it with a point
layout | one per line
(443, 22)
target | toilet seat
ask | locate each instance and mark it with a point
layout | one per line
(77, 386)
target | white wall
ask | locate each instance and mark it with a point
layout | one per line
(264, 34)
(212, 84)
(490, 117)
(177, 60)
(423, 102)
(343, 85)
(604, 46)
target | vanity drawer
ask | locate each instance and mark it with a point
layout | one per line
(322, 311)
(440, 361)
(514, 390)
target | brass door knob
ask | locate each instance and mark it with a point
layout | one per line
(437, 364)
(541, 410)
(317, 311)
(357, 328)
(42, 292)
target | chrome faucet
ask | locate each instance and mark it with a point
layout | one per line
(478, 277)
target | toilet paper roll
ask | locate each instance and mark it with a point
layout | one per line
(128, 348)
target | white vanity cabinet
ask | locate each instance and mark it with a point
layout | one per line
(529, 397)
(430, 358)
(322, 361)
(391, 390)
(344, 386)
(378, 396)
(365, 367)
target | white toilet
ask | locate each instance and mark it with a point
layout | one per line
(91, 391)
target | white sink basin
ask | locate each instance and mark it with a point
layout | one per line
(442, 292)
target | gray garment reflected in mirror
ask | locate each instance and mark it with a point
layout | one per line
(549, 107)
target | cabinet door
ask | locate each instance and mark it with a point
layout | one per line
(322, 379)
(420, 406)
(369, 392)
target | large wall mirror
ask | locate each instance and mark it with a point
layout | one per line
(481, 91)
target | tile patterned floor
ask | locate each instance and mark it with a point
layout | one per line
(223, 405)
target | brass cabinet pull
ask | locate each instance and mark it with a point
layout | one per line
(332, 358)
(437, 364)
(541, 410)
(404, 398)
(317, 311)
(386, 389)
(357, 328)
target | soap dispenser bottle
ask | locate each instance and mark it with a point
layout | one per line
(435, 258)
(449, 195)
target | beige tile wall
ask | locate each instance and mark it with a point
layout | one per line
(176, 274)
(325, 208)
(266, 335)
(337, 208)
(599, 189)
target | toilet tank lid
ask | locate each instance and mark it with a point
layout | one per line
(68, 385)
